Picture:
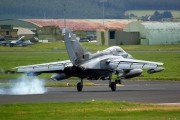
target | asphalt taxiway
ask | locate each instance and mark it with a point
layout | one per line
(130, 91)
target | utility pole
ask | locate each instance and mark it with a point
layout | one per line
(44, 15)
(103, 1)
(64, 9)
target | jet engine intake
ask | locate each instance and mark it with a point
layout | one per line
(151, 71)
(131, 73)
(59, 76)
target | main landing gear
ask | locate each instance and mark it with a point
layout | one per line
(80, 85)
(112, 85)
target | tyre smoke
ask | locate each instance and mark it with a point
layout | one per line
(25, 85)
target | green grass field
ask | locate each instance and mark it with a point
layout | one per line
(170, 59)
(90, 110)
(140, 13)
(59, 46)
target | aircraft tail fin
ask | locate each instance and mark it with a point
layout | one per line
(21, 38)
(76, 52)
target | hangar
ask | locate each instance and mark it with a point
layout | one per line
(154, 33)
(83, 28)
(29, 30)
(114, 31)
(113, 37)
(144, 33)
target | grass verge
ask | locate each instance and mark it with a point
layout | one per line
(99, 110)
(58, 46)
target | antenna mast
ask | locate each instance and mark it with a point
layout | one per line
(103, 1)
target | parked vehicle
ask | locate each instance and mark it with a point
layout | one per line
(84, 40)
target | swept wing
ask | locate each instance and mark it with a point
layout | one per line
(124, 63)
(45, 67)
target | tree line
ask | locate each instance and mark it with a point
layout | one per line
(158, 16)
(79, 9)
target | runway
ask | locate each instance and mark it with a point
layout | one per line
(130, 91)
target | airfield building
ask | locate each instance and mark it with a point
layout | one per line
(83, 28)
(8, 31)
(113, 32)
(154, 33)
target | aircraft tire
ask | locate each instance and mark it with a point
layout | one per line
(113, 86)
(79, 86)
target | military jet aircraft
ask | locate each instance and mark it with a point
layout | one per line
(20, 42)
(83, 64)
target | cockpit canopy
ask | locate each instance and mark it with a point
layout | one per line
(115, 50)
(118, 51)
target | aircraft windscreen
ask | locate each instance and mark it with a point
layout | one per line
(116, 49)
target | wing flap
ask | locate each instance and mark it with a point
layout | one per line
(45, 67)
(123, 63)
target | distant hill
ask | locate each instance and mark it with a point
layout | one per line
(79, 9)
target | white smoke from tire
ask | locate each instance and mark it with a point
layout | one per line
(26, 85)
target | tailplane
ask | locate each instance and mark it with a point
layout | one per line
(76, 52)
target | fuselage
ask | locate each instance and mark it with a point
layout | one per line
(100, 59)
(98, 63)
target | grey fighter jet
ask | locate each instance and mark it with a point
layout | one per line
(83, 64)
(20, 42)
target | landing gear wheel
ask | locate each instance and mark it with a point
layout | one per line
(79, 86)
(113, 86)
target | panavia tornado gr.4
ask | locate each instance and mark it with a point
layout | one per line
(83, 64)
